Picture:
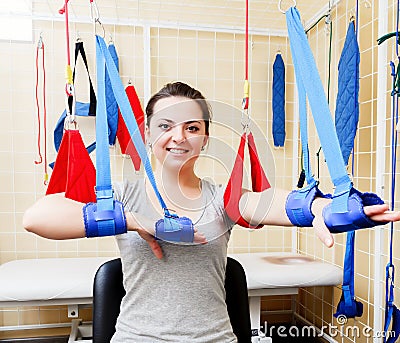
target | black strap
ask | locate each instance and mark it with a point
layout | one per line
(79, 49)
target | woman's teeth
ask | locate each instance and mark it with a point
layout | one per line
(177, 151)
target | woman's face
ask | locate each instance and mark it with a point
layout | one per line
(176, 132)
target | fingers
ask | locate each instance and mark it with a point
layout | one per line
(323, 232)
(155, 247)
(199, 238)
(380, 213)
(375, 209)
(151, 241)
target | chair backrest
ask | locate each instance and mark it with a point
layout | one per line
(108, 292)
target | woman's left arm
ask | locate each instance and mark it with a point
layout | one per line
(268, 208)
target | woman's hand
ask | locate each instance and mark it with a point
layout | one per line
(379, 213)
(137, 223)
(155, 247)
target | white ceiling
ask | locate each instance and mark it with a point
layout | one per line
(264, 15)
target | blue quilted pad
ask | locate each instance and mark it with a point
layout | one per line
(347, 109)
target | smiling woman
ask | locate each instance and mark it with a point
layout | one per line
(188, 275)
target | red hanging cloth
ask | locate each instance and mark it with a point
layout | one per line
(233, 190)
(124, 139)
(73, 172)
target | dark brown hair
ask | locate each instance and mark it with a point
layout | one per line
(180, 89)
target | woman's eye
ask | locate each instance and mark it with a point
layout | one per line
(193, 128)
(164, 126)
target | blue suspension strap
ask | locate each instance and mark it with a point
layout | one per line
(348, 306)
(171, 227)
(346, 122)
(345, 212)
(298, 203)
(392, 313)
(106, 216)
(278, 101)
(112, 106)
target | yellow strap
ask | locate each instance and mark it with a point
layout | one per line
(68, 75)
(246, 89)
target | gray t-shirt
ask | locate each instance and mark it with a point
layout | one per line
(180, 298)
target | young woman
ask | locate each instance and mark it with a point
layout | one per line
(175, 292)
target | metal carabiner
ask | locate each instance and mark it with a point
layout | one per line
(390, 273)
(40, 41)
(280, 6)
(70, 92)
(245, 120)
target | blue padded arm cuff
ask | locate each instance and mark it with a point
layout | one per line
(113, 222)
(355, 217)
(175, 229)
(298, 205)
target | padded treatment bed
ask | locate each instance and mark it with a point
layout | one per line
(282, 274)
(69, 281)
(49, 281)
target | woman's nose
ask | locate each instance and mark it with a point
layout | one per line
(178, 134)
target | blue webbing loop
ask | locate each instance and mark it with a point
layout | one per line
(309, 84)
(127, 114)
(104, 192)
(173, 228)
(392, 313)
(348, 306)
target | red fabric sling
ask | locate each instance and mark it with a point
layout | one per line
(124, 139)
(233, 190)
(73, 172)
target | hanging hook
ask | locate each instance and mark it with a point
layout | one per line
(367, 4)
(78, 36)
(280, 6)
(111, 40)
(102, 27)
(95, 15)
(94, 11)
(40, 41)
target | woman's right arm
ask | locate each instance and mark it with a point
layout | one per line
(55, 217)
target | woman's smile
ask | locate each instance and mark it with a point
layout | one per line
(177, 151)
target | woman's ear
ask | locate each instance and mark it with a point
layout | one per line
(146, 134)
(205, 140)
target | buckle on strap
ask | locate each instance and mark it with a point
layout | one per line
(175, 229)
(298, 205)
(355, 217)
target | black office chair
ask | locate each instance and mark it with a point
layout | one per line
(108, 292)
